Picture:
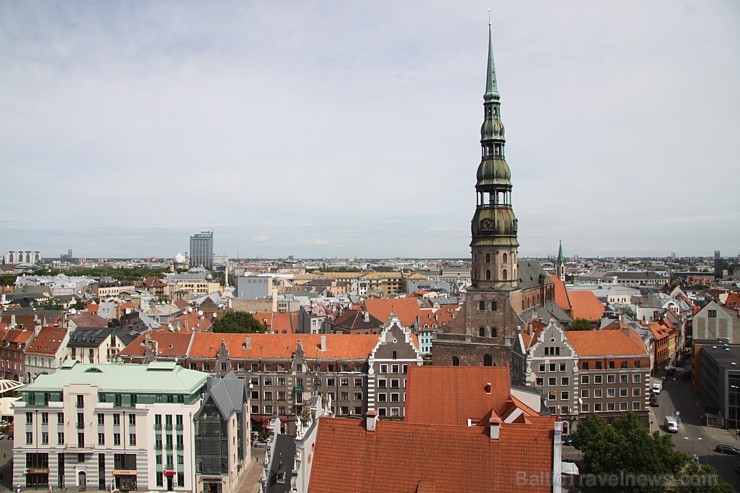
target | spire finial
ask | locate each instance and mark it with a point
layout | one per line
(489, 17)
(491, 88)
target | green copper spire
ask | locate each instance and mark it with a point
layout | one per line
(561, 257)
(491, 88)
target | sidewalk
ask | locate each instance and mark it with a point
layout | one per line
(250, 481)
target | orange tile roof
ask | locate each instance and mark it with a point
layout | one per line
(402, 457)
(181, 304)
(190, 322)
(92, 308)
(452, 395)
(278, 323)
(16, 335)
(406, 309)
(586, 305)
(47, 341)
(85, 320)
(265, 346)
(605, 343)
(561, 294)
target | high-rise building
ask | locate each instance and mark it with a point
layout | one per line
(502, 287)
(201, 250)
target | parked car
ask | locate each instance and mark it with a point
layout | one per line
(727, 449)
(671, 425)
(656, 388)
(654, 400)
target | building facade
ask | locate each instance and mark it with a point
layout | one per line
(108, 426)
(201, 250)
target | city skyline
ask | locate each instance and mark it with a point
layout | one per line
(330, 130)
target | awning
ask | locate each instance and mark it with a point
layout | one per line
(570, 468)
(6, 405)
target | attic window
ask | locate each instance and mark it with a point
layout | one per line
(93, 370)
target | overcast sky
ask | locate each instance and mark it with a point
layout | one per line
(351, 129)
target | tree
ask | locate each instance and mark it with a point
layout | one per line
(580, 324)
(238, 322)
(626, 447)
(627, 311)
(700, 478)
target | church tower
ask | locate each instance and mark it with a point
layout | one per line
(483, 331)
(561, 263)
(494, 242)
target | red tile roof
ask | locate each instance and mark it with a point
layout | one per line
(21, 336)
(266, 346)
(278, 323)
(585, 305)
(605, 343)
(451, 395)
(402, 457)
(561, 294)
(88, 320)
(47, 341)
(406, 309)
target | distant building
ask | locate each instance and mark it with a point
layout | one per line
(253, 287)
(22, 257)
(201, 250)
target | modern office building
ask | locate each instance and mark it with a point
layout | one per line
(201, 250)
(109, 426)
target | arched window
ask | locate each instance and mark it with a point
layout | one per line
(455, 361)
(487, 360)
(488, 257)
(482, 332)
(494, 332)
(481, 305)
(494, 306)
(488, 274)
(506, 275)
(505, 258)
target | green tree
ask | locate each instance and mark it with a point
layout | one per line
(580, 324)
(626, 447)
(238, 322)
(51, 304)
(628, 311)
(700, 478)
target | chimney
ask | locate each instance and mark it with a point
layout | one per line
(371, 420)
(248, 343)
(366, 316)
(323, 342)
(494, 427)
(488, 388)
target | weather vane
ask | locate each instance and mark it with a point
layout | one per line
(489, 17)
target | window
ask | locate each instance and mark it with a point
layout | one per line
(611, 378)
(552, 367)
(584, 393)
(635, 378)
(331, 381)
(610, 406)
(562, 365)
(358, 396)
(101, 438)
(636, 392)
(268, 367)
(101, 419)
(281, 381)
(45, 418)
(116, 420)
(383, 368)
(611, 365)
(381, 397)
(543, 368)
(255, 367)
(344, 382)
(60, 418)
(637, 363)
(636, 406)
(268, 396)
(494, 306)
(344, 396)
(585, 379)
(481, 305)
(611, 393)
(395, 397)
(598, 365)
(712, 313)
(552, 395)
(29, 438)
(623, 364)
(487, 360)
(488, 276)
(598, 378)
(60, 438)
(585, 366)
(540, 382)
(623, 378)
(358, 382)
(395, 383)
(116, 439)
(29, 418)
(44, 438)
(132, 439)
(488, 258)
(268, 380)
(623, 392)
(597, 393)
(585, 407)
(552, 381)
(564, 396)
(455, 361)
(482, 332)
(597, 407)
(132, 419)
(565, 381)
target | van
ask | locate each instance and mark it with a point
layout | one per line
(671, 425)
(656, 388)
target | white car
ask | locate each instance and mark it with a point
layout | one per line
(656, 388)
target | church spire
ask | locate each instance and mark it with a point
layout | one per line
(494, 242)
(491, 87)
(561, 263)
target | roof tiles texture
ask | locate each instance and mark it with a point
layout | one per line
(451, 395)
(406, 309)
(585, 305)
(47, 341)
(405, 457)
(605, 343)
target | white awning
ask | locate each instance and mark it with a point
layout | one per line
(570, 468)
(6, 405)
(9, 385)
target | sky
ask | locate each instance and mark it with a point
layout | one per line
(324, 129)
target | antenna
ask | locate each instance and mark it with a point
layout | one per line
(489, 17)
